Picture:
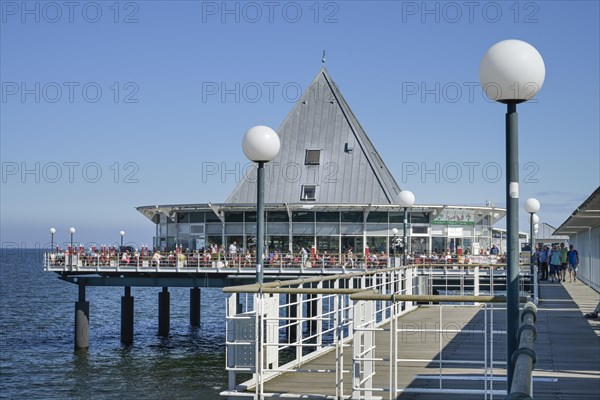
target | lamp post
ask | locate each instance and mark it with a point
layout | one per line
(532, 206)
(72, 231)
(406, 199)
(394, 243)
(511, 72)
(122, 233)
(261, 145)
(52, 232)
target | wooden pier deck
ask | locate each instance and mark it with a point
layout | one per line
(567, 347)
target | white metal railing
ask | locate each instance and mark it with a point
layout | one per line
(315, 317)
(481, 370)
(279, 327)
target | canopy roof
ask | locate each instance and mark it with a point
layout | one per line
(586, 216)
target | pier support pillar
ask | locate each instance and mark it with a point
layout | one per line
(127, 317)
(164, 312)
(195, 297)
(82, 321)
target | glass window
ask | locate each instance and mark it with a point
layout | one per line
(309, 193)
(214, 229)
(303, 241)
(197, 217)
(352, 216)
(356, 242)
(234, 217)
(330, 244)
(303, 228)
(183, 218)
(377, 217)
(419, 217)
(396, 217)
(303, 216)
(313, 157)
(250, 216)
(212, 217)
(377, 244)
(277, 243)
(213, 240)
(197, 229)
(324, 229)
(328, 216)
(420, 229)
(419, 245)
(277, 216)
(439, 245)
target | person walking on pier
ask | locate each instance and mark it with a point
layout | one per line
(543, 260)
(563, 262)
(233, 253)
(555, 264)
(573, 257)
(303, 256)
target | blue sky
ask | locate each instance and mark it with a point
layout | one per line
(110, 105)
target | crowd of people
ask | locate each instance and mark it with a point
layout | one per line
(235, 256)
(554, 263)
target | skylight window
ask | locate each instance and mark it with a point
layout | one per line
(309, 193)
(313, 157)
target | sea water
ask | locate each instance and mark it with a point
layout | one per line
(37, 360)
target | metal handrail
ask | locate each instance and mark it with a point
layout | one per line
(345, 306)
(61, 260)
(524, 359)
(370, 295)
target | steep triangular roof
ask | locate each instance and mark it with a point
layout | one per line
(350, 170)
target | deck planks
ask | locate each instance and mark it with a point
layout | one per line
(567, 347)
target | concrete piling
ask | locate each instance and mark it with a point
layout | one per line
(164, 312)
(82, 323)
(127, 308)
(195, 300)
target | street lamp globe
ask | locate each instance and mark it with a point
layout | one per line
(406, 199)
(536, 219)
(261, 144)
(536, 227)
(532, 205)
(72, 230)
(512, 71)
(53, 230)
(122, 233)
(395, 231)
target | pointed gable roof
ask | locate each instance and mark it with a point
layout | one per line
(349, 170)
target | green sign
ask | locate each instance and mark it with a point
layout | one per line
(454, 217)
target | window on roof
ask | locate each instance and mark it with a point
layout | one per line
(309, 193)
(313, 157)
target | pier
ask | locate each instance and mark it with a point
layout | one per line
(375, 336)
(86, 270)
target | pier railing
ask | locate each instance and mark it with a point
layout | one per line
(524, 358)
(279, 327)
(77, 261)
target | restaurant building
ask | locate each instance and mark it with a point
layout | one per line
(327, 190)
